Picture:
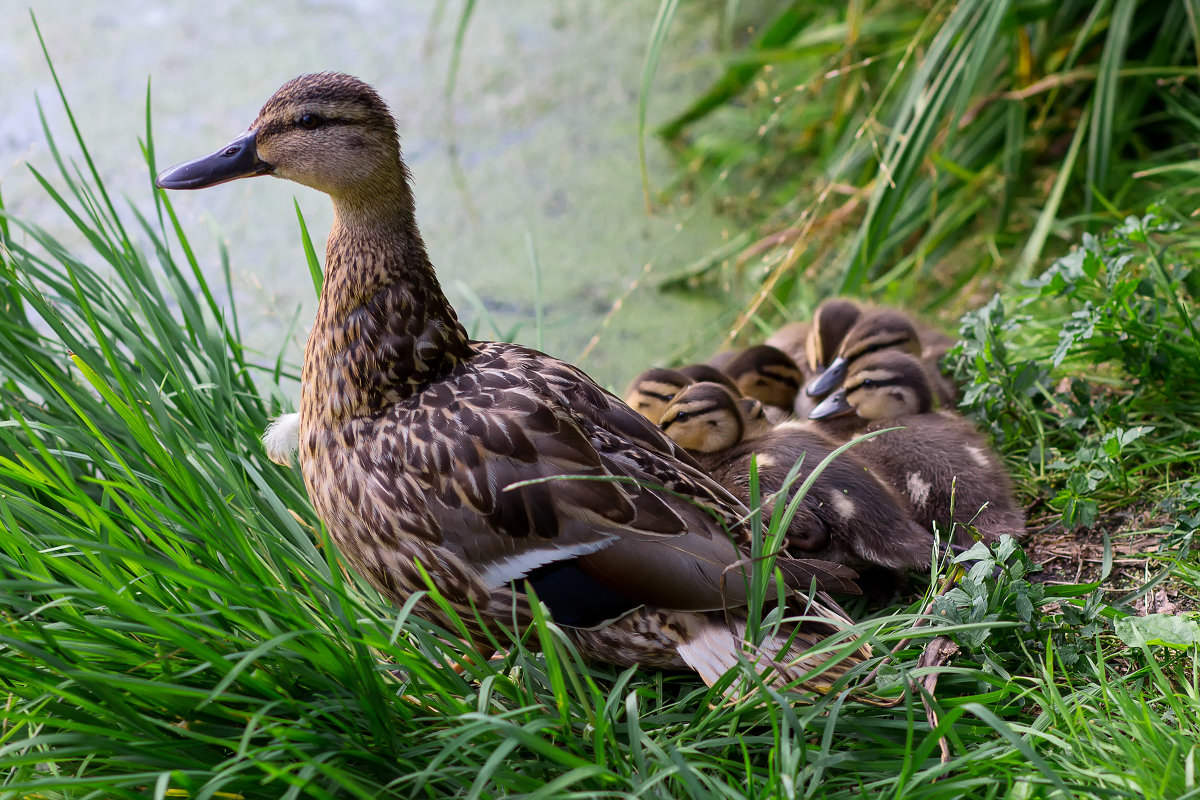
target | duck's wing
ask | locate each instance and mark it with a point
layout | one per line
(518, 482)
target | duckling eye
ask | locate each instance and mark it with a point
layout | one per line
(683, 416)
(867, 383)
(310, 121)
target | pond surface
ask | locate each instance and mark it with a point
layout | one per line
(533, 159)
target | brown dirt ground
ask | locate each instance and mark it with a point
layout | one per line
(1077, 556)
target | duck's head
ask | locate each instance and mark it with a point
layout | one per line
(329, 131)
(830, 323)
(881, 329)
(767, 374)
(652, 390)
(882, 385)
(706, 418)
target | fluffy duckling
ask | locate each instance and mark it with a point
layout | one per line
(938, 460)
(813, 345)
(706, 373)
(832, 320)
(436, 461)
(768, 375)
(876, 330)
(792, 338)
(651, 391)
(848, 516)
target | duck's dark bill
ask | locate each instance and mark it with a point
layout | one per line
(828, 380)
(238, 159)
(832, 406)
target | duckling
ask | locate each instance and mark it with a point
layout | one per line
(281, 439)
(848, 516)
(439, 462)
(875, 330)
(706, 373)
(768, 375)
(938, 460)
(832, 320)
(721, 359)
(649, 392)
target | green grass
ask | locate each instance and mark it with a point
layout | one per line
(173, 622)
(931, 153)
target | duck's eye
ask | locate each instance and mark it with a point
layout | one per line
(867, 383)
(310, 121)
(682, 416)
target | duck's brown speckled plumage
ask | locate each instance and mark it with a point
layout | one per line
(416, 442)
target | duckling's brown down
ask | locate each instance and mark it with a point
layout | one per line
(848, 516)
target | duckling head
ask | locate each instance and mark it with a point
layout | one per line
(767, 374)
(328, 131)
(651, 391)
(882, 385)
(881, 329)
(707, 373)
(830, 323)
(705, 418)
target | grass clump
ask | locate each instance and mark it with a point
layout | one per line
(929, 153)
(1089, 375)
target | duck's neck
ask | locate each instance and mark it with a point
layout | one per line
(384, 328)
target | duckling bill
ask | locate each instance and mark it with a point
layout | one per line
(482, 469)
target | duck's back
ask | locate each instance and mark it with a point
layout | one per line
(514, 461)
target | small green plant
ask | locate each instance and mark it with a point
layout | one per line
(1094, 383)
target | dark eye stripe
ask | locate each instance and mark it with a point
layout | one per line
(874, 383)
(666, 398)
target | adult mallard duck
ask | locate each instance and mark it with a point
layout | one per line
(849, 515)
(480, 469)
(937, 460)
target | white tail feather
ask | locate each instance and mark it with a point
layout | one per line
(281, 439)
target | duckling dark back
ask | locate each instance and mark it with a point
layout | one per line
(938, 461)
(792, 338)
(848, 516)
(707, 373)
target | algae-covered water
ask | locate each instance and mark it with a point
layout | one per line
(531, 160)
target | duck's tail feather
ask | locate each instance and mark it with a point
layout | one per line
(811, 652)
